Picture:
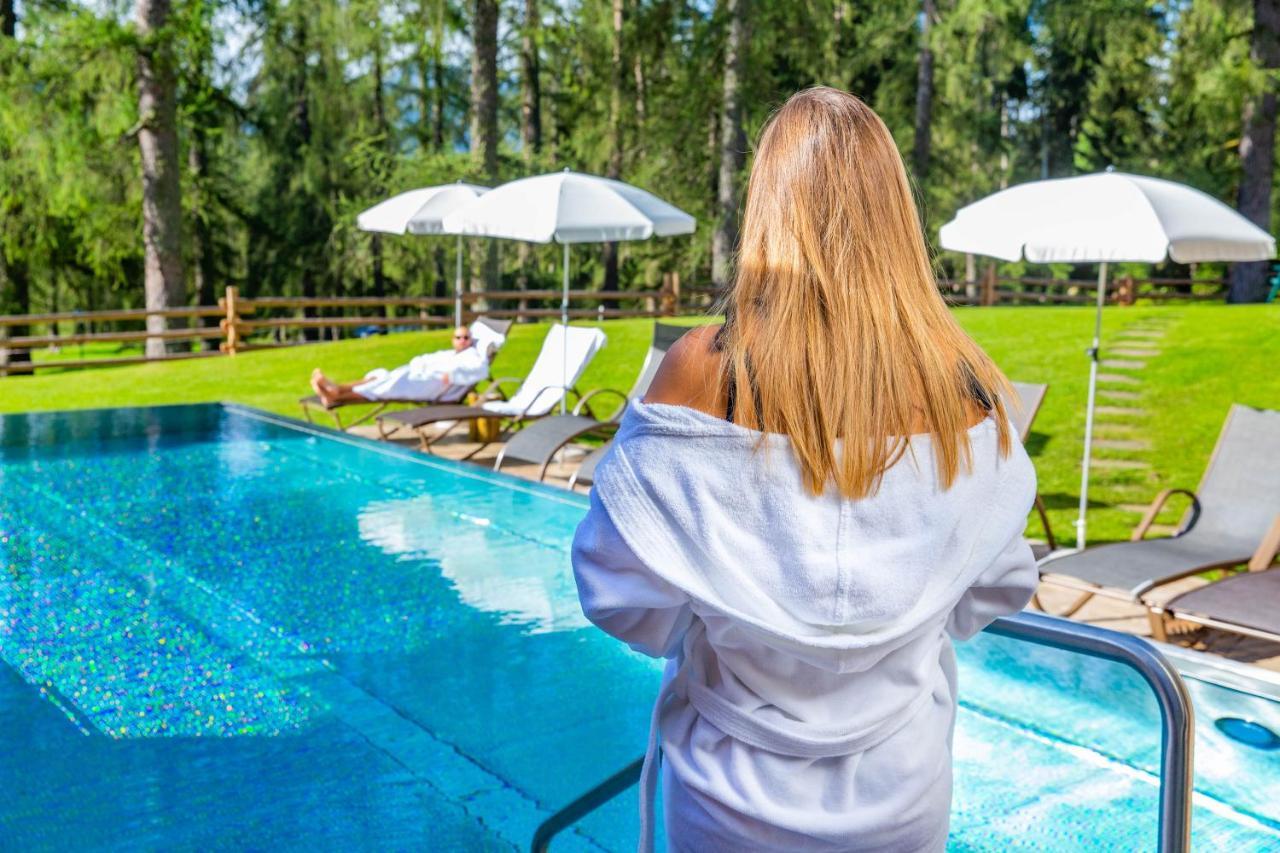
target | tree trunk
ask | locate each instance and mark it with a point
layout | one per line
(441, 288)
(437, 79)
(202, 272)
(733, 145)
(15, 298)
(158, 144)
(302, 125)
(530, 122)
(484, 87)
(384, 129)
(614, 169)
(1257, 149)
(530, 85)
(920, 149)
(15, 281)
(484, 126)
(642, 102)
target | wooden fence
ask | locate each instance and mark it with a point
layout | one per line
(991, 289)
(239, 324)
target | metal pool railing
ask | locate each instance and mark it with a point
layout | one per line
(1176, 717)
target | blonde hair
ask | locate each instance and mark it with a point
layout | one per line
(836, 335)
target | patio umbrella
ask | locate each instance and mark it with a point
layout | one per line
(422, 211)
(1100, 218)
(569, 207)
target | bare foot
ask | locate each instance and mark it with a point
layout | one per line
(324, 388)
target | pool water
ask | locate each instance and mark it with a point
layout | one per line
(222, 630)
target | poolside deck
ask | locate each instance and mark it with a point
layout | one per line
(1104, 612)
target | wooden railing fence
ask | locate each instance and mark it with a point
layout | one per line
(244, 324)
(990, 289)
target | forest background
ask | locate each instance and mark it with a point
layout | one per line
(154, 152)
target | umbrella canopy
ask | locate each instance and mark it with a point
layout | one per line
(419, 211)
(1110, 216)
(422, 211)
(569, 207)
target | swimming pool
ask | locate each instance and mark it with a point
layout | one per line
(220, 629)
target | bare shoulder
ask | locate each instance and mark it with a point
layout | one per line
(690, 373)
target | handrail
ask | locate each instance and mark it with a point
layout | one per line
(586, 804)
(1177, 719)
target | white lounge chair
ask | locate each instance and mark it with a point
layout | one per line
(565, 354)
(486, 329)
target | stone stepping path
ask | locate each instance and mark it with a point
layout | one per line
(1121, 444)
(1117, 429)
(1111, 463)
(1120, 441)
(1118, 379)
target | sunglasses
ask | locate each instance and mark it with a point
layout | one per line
(462, 337)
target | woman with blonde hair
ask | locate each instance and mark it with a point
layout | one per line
(809, 505)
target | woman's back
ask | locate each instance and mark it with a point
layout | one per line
(812, 500)
(806, 628)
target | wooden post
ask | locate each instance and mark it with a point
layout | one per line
(229, 324)
(970, 278)
(1128, 291)
(675, 292)
(989, 285)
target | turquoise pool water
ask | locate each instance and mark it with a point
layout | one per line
(219, 630)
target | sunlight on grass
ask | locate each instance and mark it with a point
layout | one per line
(1212, 356)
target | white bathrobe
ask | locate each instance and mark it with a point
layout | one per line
(810, 695)
(424, 377)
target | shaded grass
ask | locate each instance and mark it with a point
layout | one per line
(1212, 355)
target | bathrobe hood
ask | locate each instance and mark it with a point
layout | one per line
(721, 512)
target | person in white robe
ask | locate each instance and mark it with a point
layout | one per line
(436, 376)
(807, 616)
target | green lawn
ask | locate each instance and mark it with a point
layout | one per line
(1213, 355)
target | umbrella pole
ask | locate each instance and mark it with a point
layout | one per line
(1094, 354)
(457, 285)
(564, 338)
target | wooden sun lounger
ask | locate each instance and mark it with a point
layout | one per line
(1247, 603)
(1232, 511)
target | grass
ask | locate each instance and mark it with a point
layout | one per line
(1213, 355)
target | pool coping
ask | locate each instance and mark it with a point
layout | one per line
(1221, 672)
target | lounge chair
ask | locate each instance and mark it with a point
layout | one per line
(1230, 513)
(586, 473)
(539, 442)
(1030, 398)
(1244, 603)
(452, 394)
(566, 352)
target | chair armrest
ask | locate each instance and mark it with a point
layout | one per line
(1149, 517)
(1267, 549)
(493, 391)
(584, 402)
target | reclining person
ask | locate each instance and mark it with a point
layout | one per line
(427, 377)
